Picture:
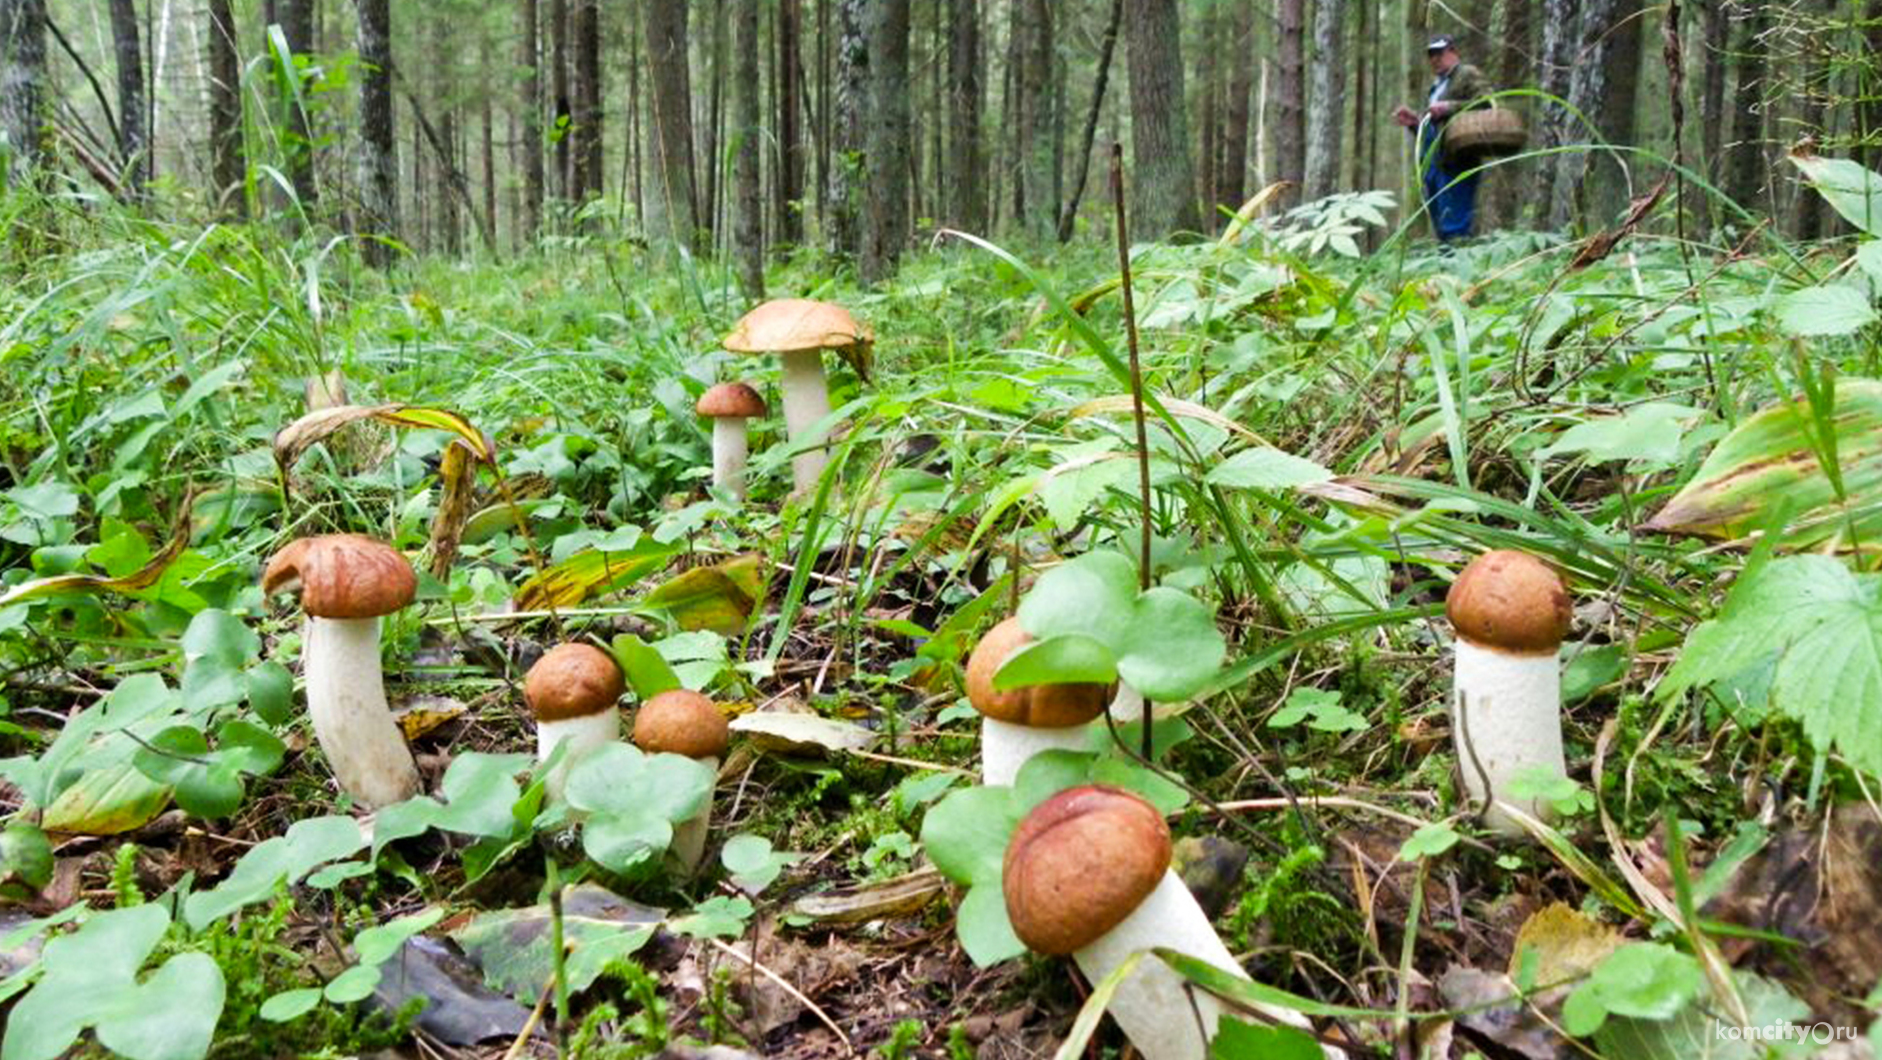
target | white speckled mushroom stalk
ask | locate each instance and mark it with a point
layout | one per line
(729, 455)
(572, 691)
(806, 401)
(1510, 611)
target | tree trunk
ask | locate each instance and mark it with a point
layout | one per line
(1106, 48)
(887, 217)
(967, 199)
(1322, 166)
(23, 85)
(1515, 181)
(529, 109)
(564, 111)
(297, 26)
(671, 208)
(1208, 90)
(1231, 170)
(379, 166)
(1744, 174)
(227, 166)
(1035, 203)
(852, 86)
(1869, 81)
(1618, 118)
(487, 119)
(586, 134)
(749, 233)
(1818, 83)
(133, 145)
(1290, 146)
(1561, 32)
(790, 182)
(1586, 88)
(1163, 199)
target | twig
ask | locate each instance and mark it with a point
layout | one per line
(1137, 394)
(822, 1016)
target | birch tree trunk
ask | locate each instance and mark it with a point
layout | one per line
(1328, 94)
(1561, 30)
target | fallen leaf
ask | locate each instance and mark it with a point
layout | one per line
(459, 1009)
(903, 895)
(512, 947)
(801, 733)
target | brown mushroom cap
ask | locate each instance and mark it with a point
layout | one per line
(1040, 706)
(785, 325)
(342, 576)
(730, 399)
(572, 681)
(1510, 601)
(681, 722)
(1079, 864)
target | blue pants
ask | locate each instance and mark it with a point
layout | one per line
(1452, 202)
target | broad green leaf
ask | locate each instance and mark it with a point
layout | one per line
(479, 791)
(1768, 461)
(720, 598)
(354, 984)
(617, 778)
(271, 692)
(25, 860)
(647, 672)
(752, 862)
(106, 801)
(1649, 432)
(1237, 1040)
(1428, 841)
(1824, 625)
(308, 844)
(965, 833)
(1850, 189)
(1267, 468)
(218, 636)
(1644, 980)
(290, 1004)
(982, 925)
(1065, 659)
(1696, 1033)
(717, 917)
(1173, 647)
(1091, 595)
(621, 840)
(1824, 311)
(170, 1016)
(378, 943)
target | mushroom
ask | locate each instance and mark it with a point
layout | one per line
(1510, 611)
(682, 722)
(1021, 722)
(799, 330)
(729, 405)
(345, 583)
(1087, 873)
(572, 690)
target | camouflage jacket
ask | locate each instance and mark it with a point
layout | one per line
(1465, 83)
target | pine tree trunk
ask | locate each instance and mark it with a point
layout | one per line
(227, 163)
(586, 29)
(1163, 185)
(379, 166)
(297, 26)
(1034, 203)
(1107, 47)
(1290, 146)
(671, 207)
(23, 85)
(852, 87)
(1328, 93)
(529, 109)
(1561, 33)
(1744, 172)
(1586, 89)
(1208, 109)
(749, 235)
(967, 199)
(133, 145)
(1618, 116)
(790, 98)
(487, 120)
(887, 217)
(564, 111)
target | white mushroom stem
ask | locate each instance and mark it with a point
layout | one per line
(1152, 1006)
(1506, 720)
(1004, 746)
(728, 455)
(582, 733)
(806, 401)
(347, 702)
(689, 836)
(1128, 704)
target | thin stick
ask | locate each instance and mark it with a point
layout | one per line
(1137, 389)
(821, 1015)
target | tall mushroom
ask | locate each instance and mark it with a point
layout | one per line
(729, 405)
(1510, 611)
(572, 690)
(799, 330)
(346, 582)
(1087, 873)
(682, 722)
(1021, 722)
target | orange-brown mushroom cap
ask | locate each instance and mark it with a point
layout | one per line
(681, 722)
(342, 576)
(1080, 863)
(1510, 601)
(1056, 706)
(785, 325)
(572, 681)
(730, 399)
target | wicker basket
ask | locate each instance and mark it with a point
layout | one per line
(1476, 136)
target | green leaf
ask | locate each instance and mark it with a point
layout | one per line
(377, 944)
(622, 840)
(25, 858)
(1824, 311)
(1173, 648)
(1065, 659)
(647, 672)
(617, 778)
(1824, 624)
(46, 500)
(290, 1004)
(965, 834)
(480, 790)
(271, 692)
(1428, 841)
(106, 801)
(984, 930)
(1850, 189)
(1320, 708)
(217, 636)
(1265, 467)
(354, 984)
(1697, 1032)
(1090, 595)
(512, 946)
(718, 917)
(1649, 432)
(308, 844)
(1237, 1040)
(752, 862)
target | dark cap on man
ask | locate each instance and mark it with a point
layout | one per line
(1440, 43)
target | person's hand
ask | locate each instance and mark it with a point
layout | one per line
(1442, 109)
(1405, 116)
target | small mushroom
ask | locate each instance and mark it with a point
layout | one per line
(682, 722)
(1510, 611)
(1087, 874)
(346, 582)
(799, 330)
(1021, 722)
(729, 405)
(572, 690)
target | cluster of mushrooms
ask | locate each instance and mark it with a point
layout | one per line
(1087, 872)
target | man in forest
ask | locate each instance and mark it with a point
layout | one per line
(1451, 201)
